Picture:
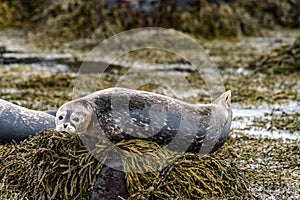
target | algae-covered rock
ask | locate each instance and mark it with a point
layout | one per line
(270, 13)
(54, 165)
(287, 122)
(272, 165)
(35, 87)
(77, 19)
(191, 177)
(281, 60)
(49, 165)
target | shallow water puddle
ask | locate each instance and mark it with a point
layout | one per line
(259, 121)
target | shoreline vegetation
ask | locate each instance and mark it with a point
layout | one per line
(262, 71)
(54, 22)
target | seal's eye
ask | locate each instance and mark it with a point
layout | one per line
(60, 117)
(76, 119)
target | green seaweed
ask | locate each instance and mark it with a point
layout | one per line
(284, 59)
(287, 122)
(78, 19)
(55, 165)
(49, 165)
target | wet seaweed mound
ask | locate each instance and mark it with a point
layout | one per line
(47, 166)
(191, 177)
(269, 13)
(52, 165)
(284, 59)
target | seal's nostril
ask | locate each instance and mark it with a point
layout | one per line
(65, 125)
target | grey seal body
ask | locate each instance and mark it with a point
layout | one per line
(123, 114)
(17, 123)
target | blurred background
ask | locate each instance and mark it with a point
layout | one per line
(70, 19)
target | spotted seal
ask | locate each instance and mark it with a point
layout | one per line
(17, 123)
(122, 114)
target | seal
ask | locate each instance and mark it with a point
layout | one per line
(18, 123)
(50, 112)
(123, 114)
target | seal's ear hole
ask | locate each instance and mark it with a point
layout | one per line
(60, 117)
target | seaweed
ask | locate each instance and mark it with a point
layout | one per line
(56, 165)
(284, 59)
(78, 19)
(48, 166)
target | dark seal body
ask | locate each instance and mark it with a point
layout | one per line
(17, 123)
(123, 114)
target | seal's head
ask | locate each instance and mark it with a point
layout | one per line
(74, 117)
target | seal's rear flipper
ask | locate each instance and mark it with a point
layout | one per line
(226, 97)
